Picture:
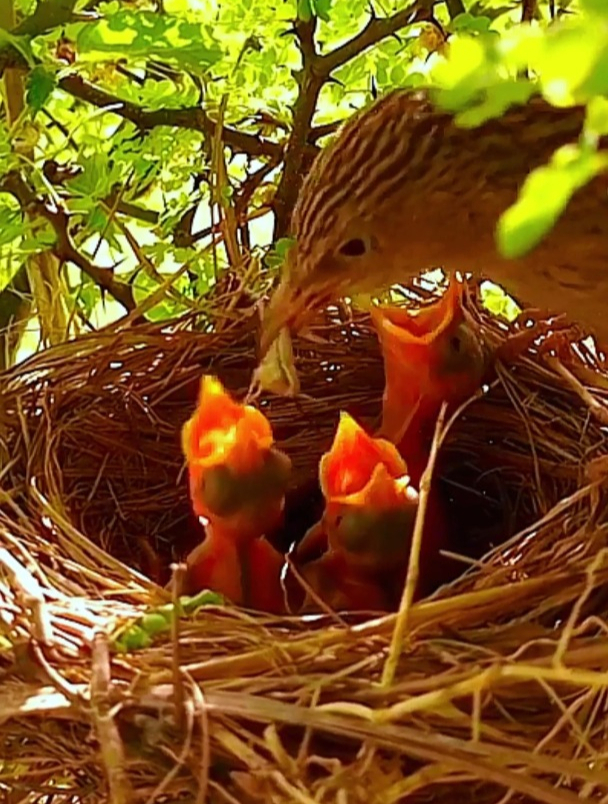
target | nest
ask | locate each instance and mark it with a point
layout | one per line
(500, 681)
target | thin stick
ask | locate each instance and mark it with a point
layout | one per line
(596, 408)
(402, 619)
(178, 572)
(31, 596)
(110, 744)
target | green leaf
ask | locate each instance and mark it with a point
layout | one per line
(140, 633)
(146, 34)
(495, 102)
(11, 224)
(276, 255)
(305, 12)
(322, 9)
(40, 86)
(498, 302)
(568, 59)
(544, 196)
(470, 23)
(596, 121)
(398, 74)
(599, 7)
(20, 43)
(96, 179)
(144, 286)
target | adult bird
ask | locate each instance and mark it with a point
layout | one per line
(403, 189)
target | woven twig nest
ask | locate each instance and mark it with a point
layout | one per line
(501, 687)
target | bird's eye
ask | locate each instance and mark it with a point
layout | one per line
(353, 248)
(456, 343)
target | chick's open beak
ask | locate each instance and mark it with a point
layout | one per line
(421, 328)
(222, 430)
(347, 467)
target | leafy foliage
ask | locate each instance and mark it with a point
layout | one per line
(567, 62)
(136, 117)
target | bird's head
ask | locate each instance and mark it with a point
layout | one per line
(355, 217)
(370, 504)
(432, 355)
(232, 462)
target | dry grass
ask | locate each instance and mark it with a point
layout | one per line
(500, 689)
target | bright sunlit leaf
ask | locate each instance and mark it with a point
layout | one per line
(544, 196)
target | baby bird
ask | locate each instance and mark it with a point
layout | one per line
(367, 525)
(433, 355)
(237, 481)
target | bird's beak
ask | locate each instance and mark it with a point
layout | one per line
(423, 327)
(288, 308)
(222, 431)
(348, 466)
(382, 492)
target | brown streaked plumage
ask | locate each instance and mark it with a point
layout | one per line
(403, 189)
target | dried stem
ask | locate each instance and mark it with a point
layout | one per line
(411, 580)
(110, 743)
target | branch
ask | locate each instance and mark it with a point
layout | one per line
(316, 70)
(48, 14)
(377, 28)
(310, 82)
(455, 7)
(529, 10)
(64, 249)
(193, 117)
(318, 132)
(15, 309)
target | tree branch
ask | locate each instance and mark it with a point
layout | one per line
(377, 28)
(318, 132)
(316, 70)
(47, 15)
(64, 249)
(310, 82)
(455, 7)
(194, 118)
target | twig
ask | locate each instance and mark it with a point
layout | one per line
(377, 28)
(568, 630)
(111, 747)
(194, 118)
(596, 408)
(402, 619)
(64, 248)
(455, 7)
(177, 577)
(315, 597)
(31, 597)
(47, 15)
(200, 708)
(180, 759)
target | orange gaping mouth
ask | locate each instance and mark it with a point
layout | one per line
(349, 466)
(382, 492)
(421, 328)
(222, 431)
